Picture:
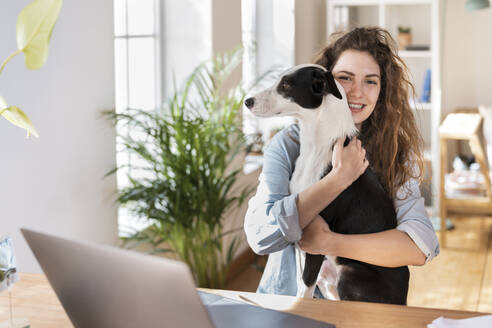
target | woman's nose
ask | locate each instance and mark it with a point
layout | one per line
(355, 89)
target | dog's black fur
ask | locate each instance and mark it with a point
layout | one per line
(307, 87)
(364, 207)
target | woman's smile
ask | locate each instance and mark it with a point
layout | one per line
(356, 107)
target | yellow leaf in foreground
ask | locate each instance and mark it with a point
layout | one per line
(34, 26)
(17, 117)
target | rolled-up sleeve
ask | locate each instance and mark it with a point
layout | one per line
(413, 219)
(272, 220)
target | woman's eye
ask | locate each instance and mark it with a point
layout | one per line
(344, 78)
(371, 82)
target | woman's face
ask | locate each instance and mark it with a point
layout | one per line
(359, 74)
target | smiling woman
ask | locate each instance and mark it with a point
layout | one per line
(365, 62)
(378, 77)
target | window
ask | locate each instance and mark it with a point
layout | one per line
(268, 40)
(158, 43)
(137, 78)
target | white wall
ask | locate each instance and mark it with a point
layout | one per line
(310, 35)
(55, 183)
(467, 52)
(226, 32)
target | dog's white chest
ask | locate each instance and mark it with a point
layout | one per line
(310, 167)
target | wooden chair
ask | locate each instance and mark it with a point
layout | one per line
(463, 126)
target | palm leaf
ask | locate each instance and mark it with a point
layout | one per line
(187, 147)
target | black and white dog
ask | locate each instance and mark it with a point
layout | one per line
(311, 94)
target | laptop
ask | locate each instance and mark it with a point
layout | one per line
(104, 286)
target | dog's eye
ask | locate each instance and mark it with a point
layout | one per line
(285, 84)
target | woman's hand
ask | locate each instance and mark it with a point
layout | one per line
(317, 238)
(349, 162)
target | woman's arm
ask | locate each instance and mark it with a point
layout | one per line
(271, 222)
(390, 248)
(275, 218)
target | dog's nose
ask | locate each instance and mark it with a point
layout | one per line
(250, 102)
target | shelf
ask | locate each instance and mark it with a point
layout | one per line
(406, 2)
(421, 106)
(463, 126)
(356, 3)
(378, 2)
(427, 155)
(460, 126)
(415, 54)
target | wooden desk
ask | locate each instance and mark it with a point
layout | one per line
(33, 298)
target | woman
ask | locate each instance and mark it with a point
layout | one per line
(366, 64)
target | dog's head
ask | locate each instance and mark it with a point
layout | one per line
(301, 89)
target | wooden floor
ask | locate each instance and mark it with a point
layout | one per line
(459, 278)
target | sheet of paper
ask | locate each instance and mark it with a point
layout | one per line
(484, 321)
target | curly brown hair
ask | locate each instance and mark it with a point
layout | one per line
(390, 135)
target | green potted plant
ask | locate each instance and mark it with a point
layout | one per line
(35, 24)
(404, 36)
(182, 180)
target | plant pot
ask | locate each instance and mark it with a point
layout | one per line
(404, 40)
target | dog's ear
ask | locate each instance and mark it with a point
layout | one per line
(332, 86)
(324, 83)
(318, 85)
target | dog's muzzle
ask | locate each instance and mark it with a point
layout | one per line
(250, 102)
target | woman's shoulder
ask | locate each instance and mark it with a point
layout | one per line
(286, 139)
(288, 135)
(284, 144)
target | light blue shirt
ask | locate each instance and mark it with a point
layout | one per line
(272, 220)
